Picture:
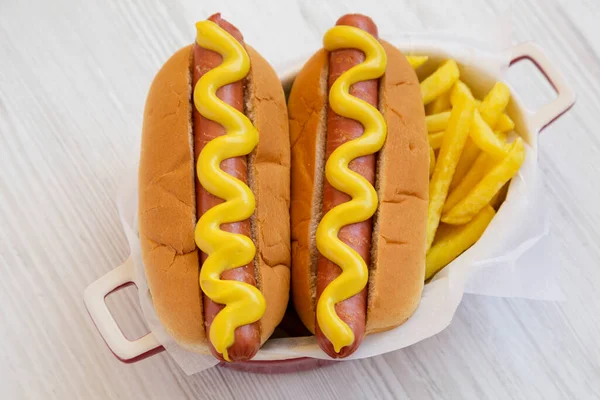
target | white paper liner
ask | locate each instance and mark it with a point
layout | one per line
(510, 260)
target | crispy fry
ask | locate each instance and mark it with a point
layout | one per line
(452, 241)
(440, 81)
(436, 139)
(480, 167)
(504, 124)
(416, 61)
(437, 122)
(482, 134)
(485, 138)
(485, 190)
(455, 137)
(471, 150)
(502, 136)
(440, 104)
(467, 158)
(460, 88)
(494, 103)
(431, 161)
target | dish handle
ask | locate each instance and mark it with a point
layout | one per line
(565, 96)
(94, 298)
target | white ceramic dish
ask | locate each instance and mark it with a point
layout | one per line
(528, 123)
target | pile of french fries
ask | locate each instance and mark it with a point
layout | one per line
(471, 160)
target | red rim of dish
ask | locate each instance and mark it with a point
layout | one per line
(278, 366)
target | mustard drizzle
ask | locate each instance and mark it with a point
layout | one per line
(364, 202)
(244, 303)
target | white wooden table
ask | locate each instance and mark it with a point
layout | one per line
(73, 80)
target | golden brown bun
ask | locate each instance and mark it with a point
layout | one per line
(167, 215)
(398, 252)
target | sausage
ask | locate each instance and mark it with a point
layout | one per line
(340, 130)
(247, 337)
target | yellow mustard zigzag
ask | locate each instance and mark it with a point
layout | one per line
(244, 304)
(362, 206)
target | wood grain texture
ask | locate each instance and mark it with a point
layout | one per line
(73, 79)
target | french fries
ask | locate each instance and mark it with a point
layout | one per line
(440, 81)
(485, 138)
(494, 104)
(470, 162)
(431, 161)
(474, 162)
(439, 104)
(436, 139)
(458, 90)
(453, 240)
(489, 185)
(416, 61)
(455, 137)
(437, 122)
(467, 158)
(504, 124)
(477, 171)
(480, 132)
(503, 136)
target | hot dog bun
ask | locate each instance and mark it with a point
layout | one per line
(167, 215)
(396, 273)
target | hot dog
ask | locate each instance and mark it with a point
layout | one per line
(214, 195)
(367, 209)
(247, 337)
(358, 236)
